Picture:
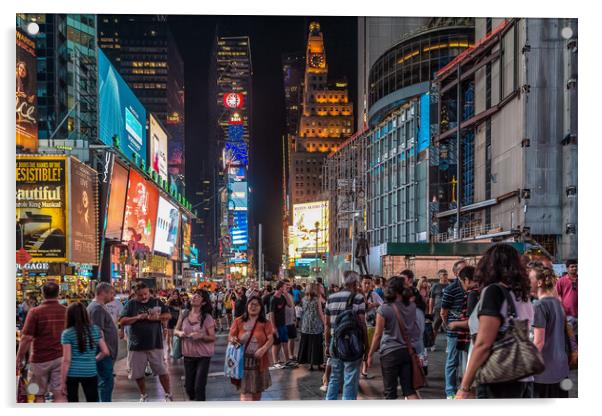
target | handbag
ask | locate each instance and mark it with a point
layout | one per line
(418, 377)
(234, 365)
(514, 356)
(571, 345)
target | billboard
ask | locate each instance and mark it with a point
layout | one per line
(239, 230)
(158, 147)
(41, 203)
(117, 197)
(166, 233)
(302, 234)
(121, 114)
(194, 256)
(238, 197)
(140, 210)
(186, 234)
(83, 210)
(26, 112)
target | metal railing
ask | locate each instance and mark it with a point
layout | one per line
(467, 232)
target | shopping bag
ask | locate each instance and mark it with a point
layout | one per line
(234, 363)
(176, 348)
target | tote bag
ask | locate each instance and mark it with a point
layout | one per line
(234, 365)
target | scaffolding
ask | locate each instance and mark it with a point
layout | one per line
(344, 185)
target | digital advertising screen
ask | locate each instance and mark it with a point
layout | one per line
(117, 198)
(186, 237)
(158, 147)
(302, 234)
(83, 209)
(41, 206)
(121, 113)
(194, 256)
(166, 233)
(26, 82)
(240, 230)
(239, 196)
(140, 210)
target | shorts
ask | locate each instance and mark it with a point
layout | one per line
(282, 335)
(46, 375)
(291, 331)
(217, 313)
(139, 359)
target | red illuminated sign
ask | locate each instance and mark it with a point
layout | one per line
(233, 100)
(235, 119)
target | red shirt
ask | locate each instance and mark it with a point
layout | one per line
(568, 295)
(45, 323)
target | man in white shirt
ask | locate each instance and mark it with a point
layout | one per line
(114, 307)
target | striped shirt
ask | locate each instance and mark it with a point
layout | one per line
(45, 324)
(454, 300)
(82, 364)
(337, 303)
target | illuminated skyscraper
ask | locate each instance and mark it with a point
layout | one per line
(325, 122)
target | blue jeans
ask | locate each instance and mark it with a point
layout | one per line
(105, 379)
(451, 366)
(347, 373)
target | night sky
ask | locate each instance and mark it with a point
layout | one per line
(270, 37)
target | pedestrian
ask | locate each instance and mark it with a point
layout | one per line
(145, 315)
(291, 328)
(228, 306)
(298, 313)
(424, 289)
(394, 354)
(453, 303)
(311, 346)
(373, 301)
(278, 305)
(566, 287)
(501, 273)
(174, 305)
(101, 317)
(196, 328)
(410, 281)
(114, 307)
(434, 306)
(81, 339)
(42, 332)
(241, 302)
(549, 335)
(253, 330)
(345, 373)
(378, 286)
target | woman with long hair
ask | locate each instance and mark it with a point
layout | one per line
(549, 331)
(311, 346)
(395, 357)
(424, 288)
(174, 304)
(81, 340)
(500, 272)
(254, 331)
(196, 328)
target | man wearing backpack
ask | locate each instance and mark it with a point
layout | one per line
(346, 337)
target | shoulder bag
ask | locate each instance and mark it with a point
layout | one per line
(513, 356)
(418, 377)
(234, 367)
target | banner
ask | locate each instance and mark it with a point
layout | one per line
(117, 197)
(83, 204)
(166, 234)
(140, 211)
(41, 206)
(302, 234)
(26, 83)
(186, 231)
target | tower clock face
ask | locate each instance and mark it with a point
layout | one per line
(316, 61)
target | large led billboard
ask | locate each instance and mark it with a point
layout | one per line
(121, 113)
(140, 211)
(83, 209)
(239, 230)
(41, 206)
(117, 197)
(158, 147)
(186, 234)
(302, 234)
(239, 196)
(166, 234)
(194, 256)
(26, 95)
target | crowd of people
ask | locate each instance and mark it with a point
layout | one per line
(340, 331)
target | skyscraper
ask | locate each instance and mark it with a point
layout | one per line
(145, 53)
(230, 135)
(326, 120)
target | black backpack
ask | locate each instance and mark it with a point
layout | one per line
(348, 336)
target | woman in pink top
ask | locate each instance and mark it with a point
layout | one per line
(196, 328)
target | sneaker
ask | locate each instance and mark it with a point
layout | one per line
(144, 397)
(324, 388)
(452, 397)
(278, 366)
(433, 348)
(291, 364)
(168, 398)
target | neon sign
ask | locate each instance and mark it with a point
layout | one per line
(233, 100)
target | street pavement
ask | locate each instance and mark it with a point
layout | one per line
(287, 384)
